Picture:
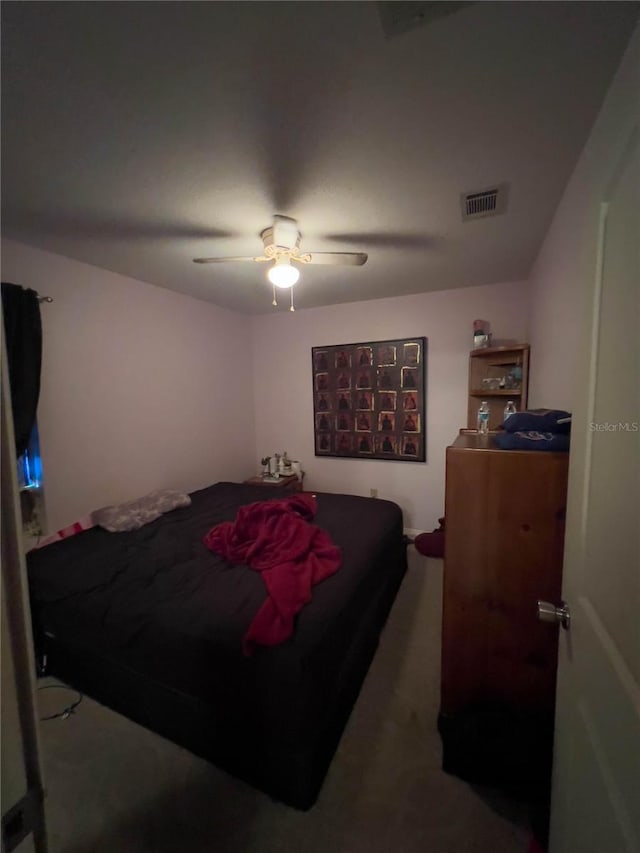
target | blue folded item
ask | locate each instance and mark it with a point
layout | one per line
(541, 420)
(532, 440)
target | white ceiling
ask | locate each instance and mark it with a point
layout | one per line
(137, 136)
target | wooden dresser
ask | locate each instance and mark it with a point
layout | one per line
(505, 513)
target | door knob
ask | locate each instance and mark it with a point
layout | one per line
(548, 612)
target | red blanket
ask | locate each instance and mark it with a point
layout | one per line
(275, 538)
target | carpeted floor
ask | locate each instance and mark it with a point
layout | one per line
(113, 787)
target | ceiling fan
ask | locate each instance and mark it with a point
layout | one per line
(282, 246)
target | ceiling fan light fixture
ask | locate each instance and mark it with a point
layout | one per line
(282, 273)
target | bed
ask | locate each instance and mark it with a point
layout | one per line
(150, 623)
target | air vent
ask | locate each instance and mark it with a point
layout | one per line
(489, 202)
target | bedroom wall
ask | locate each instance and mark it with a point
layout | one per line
(283, 394)
(135, 386)
(565, 266)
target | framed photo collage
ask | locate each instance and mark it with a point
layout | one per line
(369, 400)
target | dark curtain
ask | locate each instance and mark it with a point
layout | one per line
(23, 335)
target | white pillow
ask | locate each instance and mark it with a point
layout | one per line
(134, 514)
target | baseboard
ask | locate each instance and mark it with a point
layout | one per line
(411, 532)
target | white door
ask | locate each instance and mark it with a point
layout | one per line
(22, 788)
(596, 780)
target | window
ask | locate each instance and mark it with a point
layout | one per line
(30, 486)
(30, 464)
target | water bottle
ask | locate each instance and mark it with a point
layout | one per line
(483, 418)
(509, 410)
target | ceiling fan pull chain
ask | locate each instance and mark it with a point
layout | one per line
(275, 301)
(292, 308)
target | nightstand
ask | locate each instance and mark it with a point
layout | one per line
(292, 481)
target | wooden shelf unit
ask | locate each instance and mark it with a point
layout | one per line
(494, 363)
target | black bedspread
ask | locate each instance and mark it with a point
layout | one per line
(155, 608)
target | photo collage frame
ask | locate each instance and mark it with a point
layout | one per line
(369, 400)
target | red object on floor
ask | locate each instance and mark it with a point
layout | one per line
(534, 847)
(431, 544)
(276, 538)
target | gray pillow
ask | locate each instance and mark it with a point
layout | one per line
(134, 514)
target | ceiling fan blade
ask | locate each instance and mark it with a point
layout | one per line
(223, 260)
(386, 240)
(351, 259)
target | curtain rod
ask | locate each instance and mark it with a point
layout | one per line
(40, 298)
